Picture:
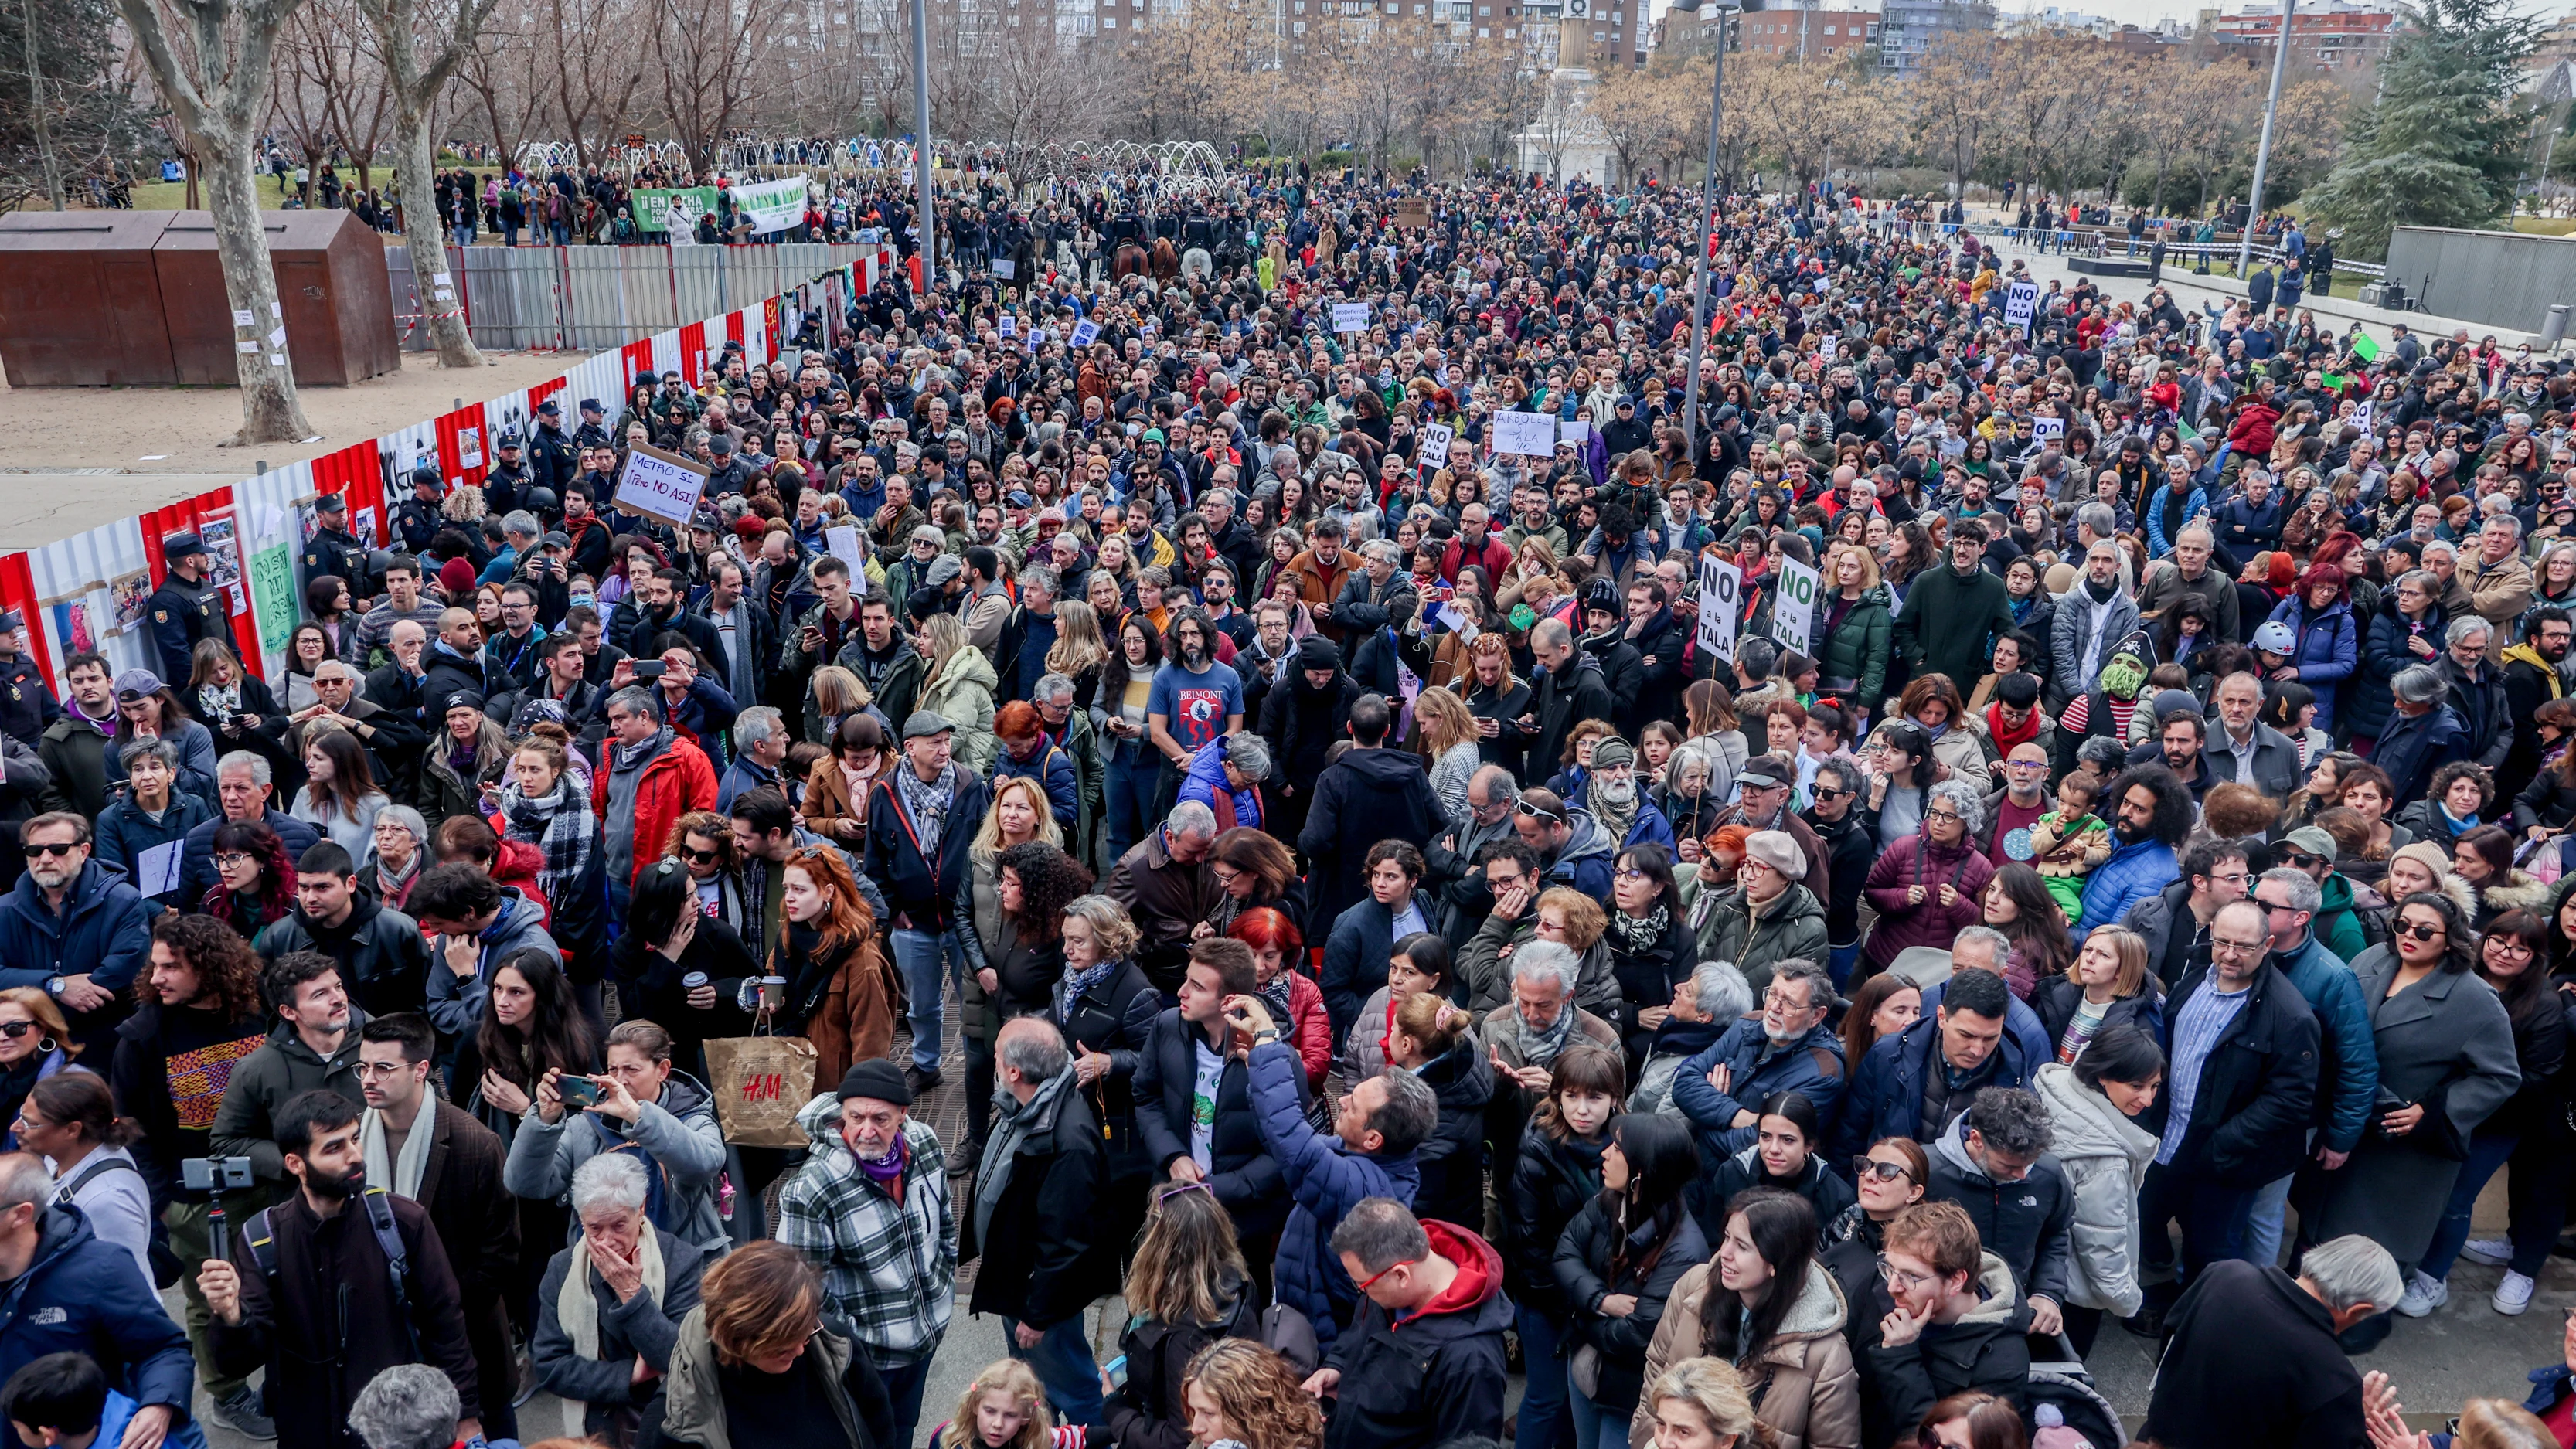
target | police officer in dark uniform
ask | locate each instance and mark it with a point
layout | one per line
(553, 458)
(508, 481)
(184, 609)
(334, 550)
(417, 522)
(27, 703)
(593, 432)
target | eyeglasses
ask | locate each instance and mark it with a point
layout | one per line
(1950, 815)
(33, 851)
(1628, 873)
(1382, 1272)
(2421, 930)
(1871, 1167)
(1898, 1278)
(369, 1069)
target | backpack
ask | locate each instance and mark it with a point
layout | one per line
(261, 1236)
(166, 1267)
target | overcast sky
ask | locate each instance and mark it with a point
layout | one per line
(2148, 12)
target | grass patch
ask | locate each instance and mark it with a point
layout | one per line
(2545, 225)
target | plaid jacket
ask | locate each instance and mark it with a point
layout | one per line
(888, 1267)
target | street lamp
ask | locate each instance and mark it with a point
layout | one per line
(2263, 147)
(1708, 207)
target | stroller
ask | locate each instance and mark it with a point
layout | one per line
(2061, 1382)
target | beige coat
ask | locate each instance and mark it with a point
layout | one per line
(1812, 1400)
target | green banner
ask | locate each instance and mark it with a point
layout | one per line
(273, 594)
(653, 206)
(772, 205)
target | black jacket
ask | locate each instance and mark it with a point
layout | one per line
(1115, 1018)
(1623, 674)
(1560, 702)
(1367, 796)
(1148, 1410)
(1983, 1351)
(2253, 1360)
(2026, 1223)
(1240, 1170)
(1851, 851)
(1301, 722)
(1551, 1181)
(1438, 1374)
(1584, 1276)
(383, 960)
(1647, 977)
(1045, 1256)
(2258, 1086)
(1452, 1158)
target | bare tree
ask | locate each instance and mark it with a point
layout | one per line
(598, 73)
(212, 69)
(710, 55)
(421, 47)
(497, 81)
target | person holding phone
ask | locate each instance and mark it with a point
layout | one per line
(639, 1105)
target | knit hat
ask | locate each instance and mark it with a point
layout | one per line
(1317, 652)
(456, 576)
(1613, 752)
(1777, 849)
(879, 1079)
(2431, 857)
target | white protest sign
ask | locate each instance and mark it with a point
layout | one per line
(1436, 438)
(1006, 269)
(1085, 333)
(1350, 316)
(2047, 430)
(660, 485)
(1576, 432)
(2021, 303)
(2361, 415)
(1721, 589)
(842, 543)
(1532, 435)
(1793, 609)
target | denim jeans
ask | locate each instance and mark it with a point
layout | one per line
(1593, 1423)
(1546, 1420)
(2486, 1155)
(464, 234)
(1127, 800)
(562, 232)
(1064, 1364)
(2263, 1226)
(927, 960)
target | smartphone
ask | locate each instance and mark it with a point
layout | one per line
(650, 668)
(577, 1091)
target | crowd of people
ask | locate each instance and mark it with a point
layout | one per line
(1442, 986)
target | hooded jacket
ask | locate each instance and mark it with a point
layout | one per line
(80, 1295)
(1886, 1096)
(2137, 870)
(2253, 1359)
(678, 1132)
(1586, 858)
(1433, 1375)
(1356, 953)
(1813, 1400)
(2348, 1051)
(266, 1080)
(1560, 700)
(2104, 1156)
(693, 1415)
(1916, 860)
(1757, 938)
(1984, 1350)
(961, 692)
(2025, 1223)
(1325, 1180)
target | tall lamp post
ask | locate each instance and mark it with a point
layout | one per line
(2263, 147)
(1708, 207)
(921, 152)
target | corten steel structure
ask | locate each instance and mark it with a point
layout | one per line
(80, 300)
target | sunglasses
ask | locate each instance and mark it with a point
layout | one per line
(1866, 1167)
(2302, 861)
(34, 851)
(2420, 930)
(1827, 792)
(1542, 812)
(16, 1029)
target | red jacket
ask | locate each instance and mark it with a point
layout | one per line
(2253, 430)
(678, 781)
(1493, 558)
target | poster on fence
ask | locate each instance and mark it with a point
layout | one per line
(1793, 609)
(1532, 435)
(660, 485)
(1721, 588)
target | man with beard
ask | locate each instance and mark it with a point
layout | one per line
(1623, 669)
(884, 659)
(335, 1285)
(1656, 634)
(662, 611)
(1970, 603)
(2150, 813)
(1610, 791)
(1571, 691)
(2531, 679)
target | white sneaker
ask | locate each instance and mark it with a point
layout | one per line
(2494, 1252)
(2423, 1295)
(2512, 1295)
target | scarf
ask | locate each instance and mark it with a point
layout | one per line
(392, 884)
(1614, 816)
(927, 802)
(628, 757)
(2006, 738)
(577, 1307)
(1276, 992)
(1014, 1122)
(218, 704)
(1635, 934)
(558, 823)
(1078, 982)
(888, 1170)
(401, 1178)
(1542, 1047)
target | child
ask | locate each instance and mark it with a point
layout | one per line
(2068, 842)
(62, 1401)
(1005, 1408)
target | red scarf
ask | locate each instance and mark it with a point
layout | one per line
(2004, 738)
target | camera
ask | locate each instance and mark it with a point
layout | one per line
(211, 1178)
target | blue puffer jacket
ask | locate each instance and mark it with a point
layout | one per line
(1886, 1097)
(1813, 1066)
(2550, 1383)
(2329, 650)
(2160, 543)
(1206, 781)
(1326, 1180)
(2351, 1051)
(82, 1295)
(1053, 772)
(2133, 873)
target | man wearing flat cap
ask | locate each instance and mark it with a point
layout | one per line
(917, 831)
(185, 609)
(870, 1209)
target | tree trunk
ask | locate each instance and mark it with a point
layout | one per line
(440, 299)
(36, 110)
(270, 411)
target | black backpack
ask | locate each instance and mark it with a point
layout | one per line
(262, 1238)
(166, 1267)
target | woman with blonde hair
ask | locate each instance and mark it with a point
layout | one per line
(1449, 743)
(35, 1043)
(1239, 1392)
(1005, 1407)
(1700, 1403)
(835, 695)
(958, 687)
(1078, 650)
(1189, 1287)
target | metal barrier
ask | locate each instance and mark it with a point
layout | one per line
(585, 299)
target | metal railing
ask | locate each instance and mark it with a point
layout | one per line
(586, 299)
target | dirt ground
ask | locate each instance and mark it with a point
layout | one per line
(56, 429)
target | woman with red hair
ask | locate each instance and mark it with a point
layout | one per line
(2325, 639)
(1295, 1001)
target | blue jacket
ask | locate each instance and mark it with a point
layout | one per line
(2134, 873)
(82, 1295)
(2412, 748)
(1355, 956)
(2328, 653)
(1206, 780)
(2348, 1075)
(1053, 772)
(124, 832)
(1886, 1098)
(1649, 828)
(2245, 524)
(1813, 1066)
(2550, 1383)
(2158, 542)
(105, 930)
(1325, 1181)
(197, 873)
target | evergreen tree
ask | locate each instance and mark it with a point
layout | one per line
(2444, 143)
